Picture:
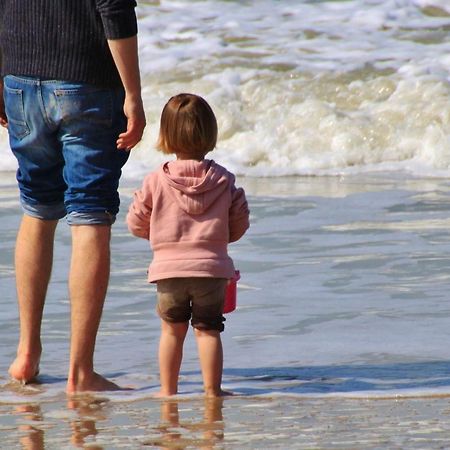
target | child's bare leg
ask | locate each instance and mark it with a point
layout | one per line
(210, 352)
(170, 355)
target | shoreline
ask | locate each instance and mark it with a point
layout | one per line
(331, 186)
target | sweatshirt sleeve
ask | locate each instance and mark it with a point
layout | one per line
(118, 17)
(239, 215)
(139, 213)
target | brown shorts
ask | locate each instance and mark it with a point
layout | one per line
(198, 299)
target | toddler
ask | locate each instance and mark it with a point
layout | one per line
(189, 209)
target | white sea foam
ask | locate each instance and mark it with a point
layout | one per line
(303, 87)
(306, 88)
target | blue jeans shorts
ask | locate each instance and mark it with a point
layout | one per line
(64, 135)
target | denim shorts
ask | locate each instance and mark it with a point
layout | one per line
(180, 299)
(64, 135)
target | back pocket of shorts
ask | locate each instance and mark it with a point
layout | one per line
(86, 104)
(15, 112)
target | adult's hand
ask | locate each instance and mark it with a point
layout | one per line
(134, 112)
(125, 55)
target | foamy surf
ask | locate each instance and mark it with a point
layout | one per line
(303, 88)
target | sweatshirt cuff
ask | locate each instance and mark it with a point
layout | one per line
(120, 25)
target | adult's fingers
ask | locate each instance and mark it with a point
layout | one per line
(129, 138)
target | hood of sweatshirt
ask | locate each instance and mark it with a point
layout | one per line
(195, 185)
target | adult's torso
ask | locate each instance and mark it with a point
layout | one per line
(56, 39)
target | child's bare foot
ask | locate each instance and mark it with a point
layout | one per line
(92, 383)
(25, 368)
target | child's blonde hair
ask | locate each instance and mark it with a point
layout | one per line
(188, 126)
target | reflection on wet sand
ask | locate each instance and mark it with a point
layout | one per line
(260, 422)
(204, 433)
(32, 433)
(89, 410)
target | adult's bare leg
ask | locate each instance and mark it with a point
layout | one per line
(88, 282)
(33, 263)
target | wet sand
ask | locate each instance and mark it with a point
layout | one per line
(234, 422)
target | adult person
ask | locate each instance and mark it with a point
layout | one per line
(73, 108)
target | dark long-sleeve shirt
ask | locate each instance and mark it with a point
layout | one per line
(64, 39)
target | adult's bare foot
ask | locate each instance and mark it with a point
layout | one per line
(92, 383)
(25, 368)
(217, 393)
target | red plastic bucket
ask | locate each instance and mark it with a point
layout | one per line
(230, 294)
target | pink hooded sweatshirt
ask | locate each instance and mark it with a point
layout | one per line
(189, 210)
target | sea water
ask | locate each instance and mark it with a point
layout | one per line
(335, 117)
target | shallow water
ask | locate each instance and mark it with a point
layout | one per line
(343, 294)
(339, 339)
